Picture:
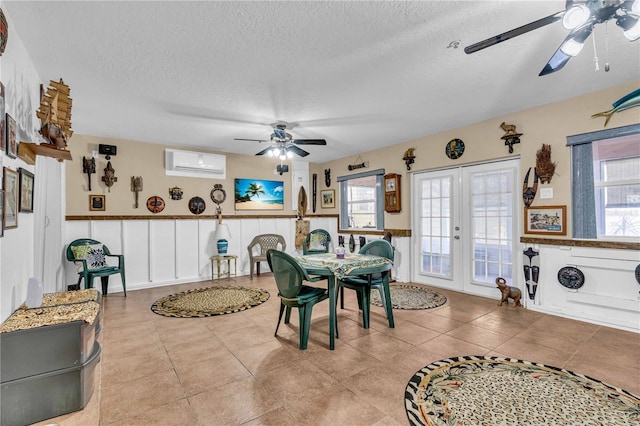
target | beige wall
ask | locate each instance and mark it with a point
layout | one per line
(548, 124)
(147, 160)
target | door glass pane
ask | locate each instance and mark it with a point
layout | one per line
(492, 217)
(436, 222)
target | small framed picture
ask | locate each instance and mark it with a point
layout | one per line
(11, 138)
(10, 198)
(328, 198)
(547, 220)
(3, 121)
(26, 191)
(97, 203)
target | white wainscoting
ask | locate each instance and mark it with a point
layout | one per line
(163, 252)
(610, 295)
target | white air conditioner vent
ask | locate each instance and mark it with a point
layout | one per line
(195, 164)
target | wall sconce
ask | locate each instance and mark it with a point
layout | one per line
(409, 157)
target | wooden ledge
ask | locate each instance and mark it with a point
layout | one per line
(617, 245)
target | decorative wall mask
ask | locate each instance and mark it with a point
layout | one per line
(197, 205)
(88, 167)
(531, 266)
(109, 177)
(314, 191)
(136, 186)
(511, 136)
(544, 166)
(175, 193)
(529, 192)
(409, 158)
(155, 204)
(352, 243)
(327, 177)
(570, 277)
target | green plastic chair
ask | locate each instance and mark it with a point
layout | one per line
(91, 254)
(317, 241)
(289, 277)
(365, 279)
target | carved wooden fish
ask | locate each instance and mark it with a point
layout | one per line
(628, 101)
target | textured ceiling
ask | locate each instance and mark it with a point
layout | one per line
(360, 74)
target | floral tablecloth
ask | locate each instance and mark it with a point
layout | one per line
(342, 267)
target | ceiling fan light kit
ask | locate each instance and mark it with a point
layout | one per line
(579, 18)
(283, 146)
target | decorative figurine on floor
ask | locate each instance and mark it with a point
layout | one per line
(508, 292)
(511, 136)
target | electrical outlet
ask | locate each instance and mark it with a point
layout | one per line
(546, 193)
(95, 154)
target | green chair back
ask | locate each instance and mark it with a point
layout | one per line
(317, 241)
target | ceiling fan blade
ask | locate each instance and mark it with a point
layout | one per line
(264, 151)
(250, 140)
(559, 58)
(513, 33)
(309, 141)
(301, 152)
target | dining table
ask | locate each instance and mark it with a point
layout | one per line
(335, 267)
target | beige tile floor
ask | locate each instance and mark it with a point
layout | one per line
(231, 370)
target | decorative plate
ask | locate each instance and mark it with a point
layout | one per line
(454, 149)
(196, 205)
(218, 195)
(638, 273)
(570, 277)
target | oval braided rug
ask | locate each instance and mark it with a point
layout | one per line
(206, 302)
(410, 297)
(489, 390)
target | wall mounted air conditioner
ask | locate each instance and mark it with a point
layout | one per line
(195, 164)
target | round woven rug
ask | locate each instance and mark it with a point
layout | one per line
(206, 302)
(410, 297)
(483, 390)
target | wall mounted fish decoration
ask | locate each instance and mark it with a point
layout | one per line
(629, 100)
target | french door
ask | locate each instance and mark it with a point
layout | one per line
(465, 227)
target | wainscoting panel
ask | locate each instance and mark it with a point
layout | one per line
(187, 249)
(135, 234)
(162, 247)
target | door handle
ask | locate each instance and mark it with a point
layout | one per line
(457, 237)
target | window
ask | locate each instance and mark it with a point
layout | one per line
(362, 201)
(606, 183)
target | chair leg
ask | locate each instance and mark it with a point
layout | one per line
(105, 284)
(366, 303)
(341, 297)
(124, 283)
(251, 263)
(258, 269)
(279, 319)
(287, 317)
(387, 302)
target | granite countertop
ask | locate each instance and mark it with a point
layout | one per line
(56, 308)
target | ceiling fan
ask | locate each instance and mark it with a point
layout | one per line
(579, 17)
(283, 145)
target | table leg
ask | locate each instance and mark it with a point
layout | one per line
(332, 311)
(228, 268)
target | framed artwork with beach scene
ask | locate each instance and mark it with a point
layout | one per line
(258, 194)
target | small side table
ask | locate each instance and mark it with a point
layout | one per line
(216, 260)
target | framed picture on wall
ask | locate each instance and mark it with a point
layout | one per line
(11, 137)
(10, 198)
(327, 198)
(26, 191)
(97, 203)
(259, 194)
(3, 120)
(547, 220)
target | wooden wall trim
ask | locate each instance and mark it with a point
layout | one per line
(619, 245)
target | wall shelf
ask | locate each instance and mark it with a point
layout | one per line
(28, 151)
